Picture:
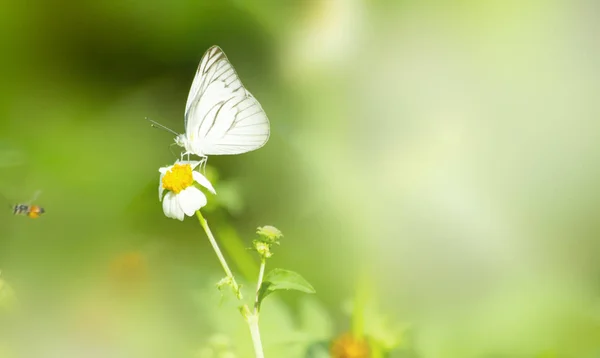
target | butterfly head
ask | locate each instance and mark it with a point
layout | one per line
(181, 140)
(189, 145)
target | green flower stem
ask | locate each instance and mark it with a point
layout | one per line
(251, 319)
(360, 301)
(213, 242)
(261, 274)
(376, 351)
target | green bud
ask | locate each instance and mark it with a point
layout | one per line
(262, 248)
(270, 234)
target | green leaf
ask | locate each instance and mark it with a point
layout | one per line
(280, 279)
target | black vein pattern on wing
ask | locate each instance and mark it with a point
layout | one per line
(237, 120)
(215, 67)
(220, 66)
(221, 104)
(212, 62)
(214, 120)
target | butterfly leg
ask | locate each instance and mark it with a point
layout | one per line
(171, 149)
(204, 161)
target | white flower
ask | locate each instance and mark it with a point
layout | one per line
(182, 198)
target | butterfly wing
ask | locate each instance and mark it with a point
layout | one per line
(221, 116)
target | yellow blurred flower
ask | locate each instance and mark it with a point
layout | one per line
(129, 270)
(348, 346)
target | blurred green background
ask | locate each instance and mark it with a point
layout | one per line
(446, 152)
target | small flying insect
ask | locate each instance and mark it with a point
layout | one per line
(32, 211)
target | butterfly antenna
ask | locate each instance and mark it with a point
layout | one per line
(160, 126)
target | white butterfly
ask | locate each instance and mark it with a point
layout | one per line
(221, 116)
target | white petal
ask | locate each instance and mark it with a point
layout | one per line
(171, 207)
(160, 188)
(164, 170)
(201, 179)
(167, 201)
(191, 199)
(179, 214)
(167, 205)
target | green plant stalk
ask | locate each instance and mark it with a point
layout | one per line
(360, 301)
(376, 350)
(251, 319)
(261, 274)
(219, 254)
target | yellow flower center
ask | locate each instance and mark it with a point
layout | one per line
(178, 178)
